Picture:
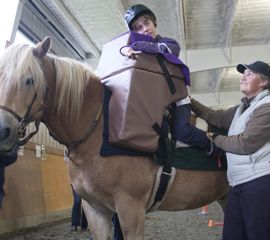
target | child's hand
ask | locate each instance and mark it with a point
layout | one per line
(132, 53)
(129, 52)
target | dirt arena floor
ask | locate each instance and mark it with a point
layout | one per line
(185, 225)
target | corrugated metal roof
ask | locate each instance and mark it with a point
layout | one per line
(214, 35)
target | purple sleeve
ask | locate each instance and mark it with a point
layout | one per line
(163, 45)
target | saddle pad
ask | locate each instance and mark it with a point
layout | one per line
(190, 158)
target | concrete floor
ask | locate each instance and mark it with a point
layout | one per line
(185, 225)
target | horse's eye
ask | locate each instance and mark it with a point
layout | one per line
(29, 81)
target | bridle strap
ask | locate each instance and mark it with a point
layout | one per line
(26, 119)
(23, 122)
(27, 114)
(28, 137)
(19, 118)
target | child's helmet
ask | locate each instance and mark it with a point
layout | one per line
(136, 11)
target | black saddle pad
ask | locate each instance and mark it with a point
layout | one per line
(194, 159)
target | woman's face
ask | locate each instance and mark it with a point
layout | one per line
(251, 83)
(144, 25)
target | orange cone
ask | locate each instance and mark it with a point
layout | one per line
(204, 210)
(213, 223)
(210, 223)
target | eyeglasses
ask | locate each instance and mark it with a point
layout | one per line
(248, 73)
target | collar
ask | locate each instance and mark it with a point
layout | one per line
(247, 101)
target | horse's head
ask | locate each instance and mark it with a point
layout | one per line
(22, 88)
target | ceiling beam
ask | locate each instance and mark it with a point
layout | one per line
(219, 99)
(121, 7)
(212, 58)
(219, 79)
(60, 10)
(16, 21)
(182, 24)
(230, 33)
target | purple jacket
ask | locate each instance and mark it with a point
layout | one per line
(169, 48)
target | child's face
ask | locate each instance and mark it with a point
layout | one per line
(144, 25)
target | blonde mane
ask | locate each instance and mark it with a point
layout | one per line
(72, 77)
(19, 63)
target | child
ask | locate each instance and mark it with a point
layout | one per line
(142, 20)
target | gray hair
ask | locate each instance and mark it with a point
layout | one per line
(264, 77)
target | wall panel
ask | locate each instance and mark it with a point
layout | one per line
(38, 191)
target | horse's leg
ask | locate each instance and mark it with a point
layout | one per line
(132, 218)
(99, 223)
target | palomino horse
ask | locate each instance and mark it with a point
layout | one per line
(65, 95)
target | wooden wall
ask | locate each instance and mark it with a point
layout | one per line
(37, 191)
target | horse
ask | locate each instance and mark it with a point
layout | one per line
(66, 95)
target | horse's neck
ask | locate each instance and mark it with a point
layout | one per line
(68, 130)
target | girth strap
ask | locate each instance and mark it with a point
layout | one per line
(168, 149)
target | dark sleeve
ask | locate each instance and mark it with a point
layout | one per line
(256, 134)
(217, 118)
(8, 159)
(163, 45)
(2, 182)
(186, 132)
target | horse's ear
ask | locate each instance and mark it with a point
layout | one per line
(42, 47)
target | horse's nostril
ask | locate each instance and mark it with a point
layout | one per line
(4, 133)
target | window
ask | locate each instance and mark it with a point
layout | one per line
(8, 11)
(21, 38)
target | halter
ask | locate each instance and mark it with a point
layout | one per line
(23, 122)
